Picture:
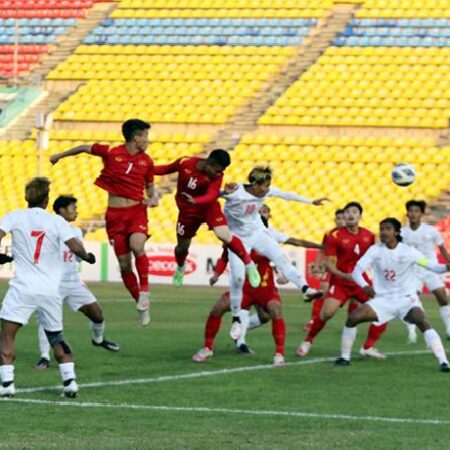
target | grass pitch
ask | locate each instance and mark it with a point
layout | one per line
(151, 395)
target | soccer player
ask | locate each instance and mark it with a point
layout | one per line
(343, 247)
(320, 271)
(73, 290)
(198, 189)
(393, 293)
(261, 316)
(36, 240)
(425, 238)
(127, 171)
(242, 203)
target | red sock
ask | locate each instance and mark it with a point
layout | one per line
(180, 257)
(142, 270)
(317, 306)
(212, 327)
(375, 331)
(315, 329)
(131, 283)
(279, 334)
(237, 247)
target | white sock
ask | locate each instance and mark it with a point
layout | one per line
(44, 345)
(7, 373)
(243, 315)
(348, 337)
(67, 371)
(254, 322)
(410, 327)
(434, 343)
(98, 329)
(444, 312)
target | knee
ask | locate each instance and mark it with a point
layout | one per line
(56, 340)
(326, 315)
(125, 265)
(218, 310)
(181, 248)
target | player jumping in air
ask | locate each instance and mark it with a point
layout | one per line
(198, 189)
(36, 241)
(393, 293)
(127, 172)
(426, 238)
(74, 291)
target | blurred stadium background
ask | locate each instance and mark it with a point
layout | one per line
(329, 93)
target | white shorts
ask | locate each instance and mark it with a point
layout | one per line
(19, 307)
(76, 294)
(388, 308)
(432, 280)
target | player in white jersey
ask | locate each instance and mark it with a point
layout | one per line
(36, 239)
(426, 238)
(73, 290)
(393, 293)
(242, 203)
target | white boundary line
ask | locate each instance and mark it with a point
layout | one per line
(248, 412)
(202, 374)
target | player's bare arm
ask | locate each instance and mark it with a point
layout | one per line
(4, 258)
(303, 243)
(71, 152)
(444, 253)
(78, 249)
(330, 263)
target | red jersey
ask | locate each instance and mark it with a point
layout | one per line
(123, 174)
(191, 181)
(348, 247)
(265, 271)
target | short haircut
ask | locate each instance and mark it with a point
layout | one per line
(260, 175)
(63, 201)
(37, 191)
(396, 224)
(339, 211)
(354, 205)
(419, 203)
(220, 157)
(132, 127)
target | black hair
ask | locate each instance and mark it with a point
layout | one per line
(220, 157)
(260, 175)
(132, 127)
(396, 224)
(63, 201)
(422, 205)
(339, 211)
(265, 221)
(354, 205)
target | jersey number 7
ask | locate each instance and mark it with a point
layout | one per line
(39, 234)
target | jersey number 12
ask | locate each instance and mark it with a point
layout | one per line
(40, 235)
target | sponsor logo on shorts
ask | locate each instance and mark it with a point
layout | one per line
(165, 265)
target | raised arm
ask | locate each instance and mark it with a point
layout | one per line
(166, 169)
(210, 196)
(71, 152)
(303, 243)
(278, 193)
(424, 262)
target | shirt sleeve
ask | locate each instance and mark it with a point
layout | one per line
(99, 150)
(275, 192)
(7, 223)
(65, 231)
(331, 245)
(150, 175)
(362, 265)
(165, 169)
(211, 194)
(437, 238)
(280, 237)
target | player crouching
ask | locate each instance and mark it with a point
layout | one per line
(393, 293)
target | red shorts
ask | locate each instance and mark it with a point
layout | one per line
(121, 222)
(258, 296)
(190, 220)
(343, 290)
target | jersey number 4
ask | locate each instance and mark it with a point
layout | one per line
(40, 235)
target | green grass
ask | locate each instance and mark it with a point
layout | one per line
(408, 386)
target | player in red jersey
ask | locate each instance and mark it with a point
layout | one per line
(198, 189)
(318, 270)
(343, 248)
(127, 172)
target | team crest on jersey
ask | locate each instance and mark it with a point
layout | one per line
(345, 241)
(187, 171)
(142, 163)
(366, 239)
(118, 158)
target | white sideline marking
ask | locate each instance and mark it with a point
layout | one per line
(249, 412)
(202, 374)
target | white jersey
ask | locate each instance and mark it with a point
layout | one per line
(242, 208)
(70, 261)
(394, 270)
(36, 240)
(424, 239)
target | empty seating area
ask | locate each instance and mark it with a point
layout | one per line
(183, 84)
(201, 31)
(44, 8)
(403, 8)
(369, 86)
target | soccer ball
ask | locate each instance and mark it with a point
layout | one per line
(403, 174)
